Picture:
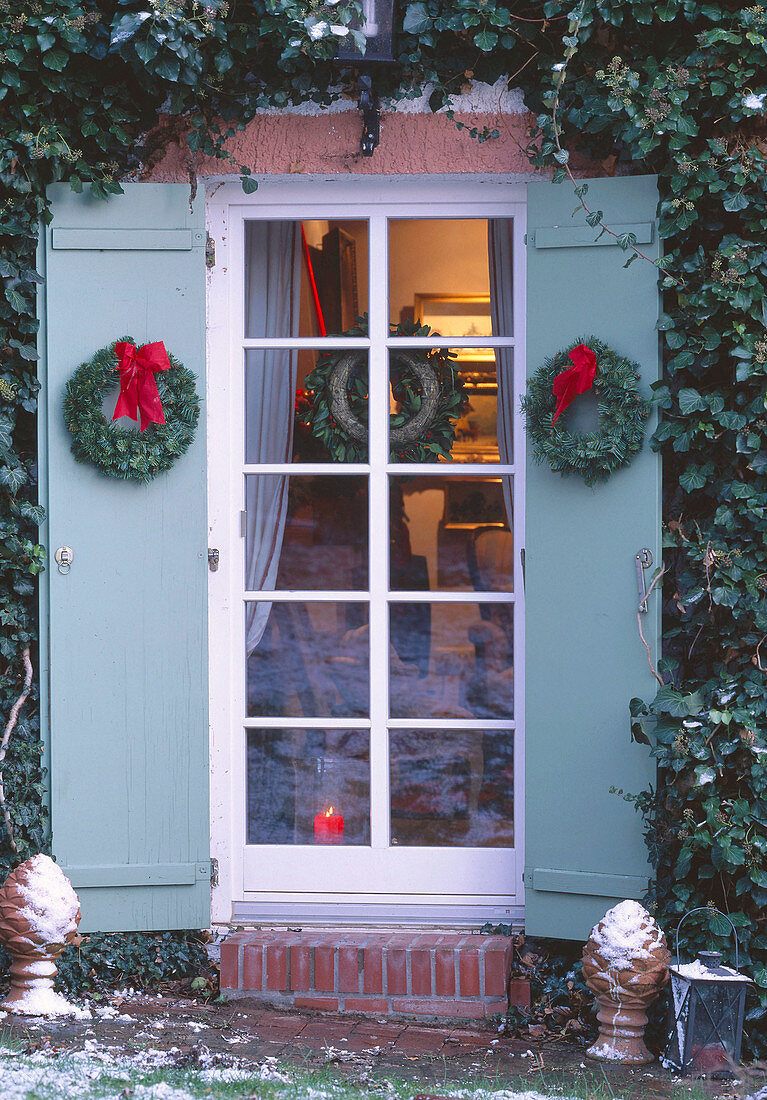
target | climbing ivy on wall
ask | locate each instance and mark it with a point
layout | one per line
(680, 88)
(675, 87)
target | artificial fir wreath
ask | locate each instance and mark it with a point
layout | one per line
(622, 416)
(425, 383)
(121, 452)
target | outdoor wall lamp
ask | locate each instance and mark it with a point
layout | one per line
(378, 29)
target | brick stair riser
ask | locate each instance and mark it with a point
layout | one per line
(439, 976)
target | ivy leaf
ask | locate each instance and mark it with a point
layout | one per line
(26, 351)
(249, 185)
(692, 479)
(670, 701)
(736, 202)
(416, 19)
(486, 41)
(126, 28)
(690, 401)
(168, 69)
(15, 300)
(55, 59)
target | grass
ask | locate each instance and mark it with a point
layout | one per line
(96, 1076)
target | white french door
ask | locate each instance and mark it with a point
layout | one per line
(367, 612)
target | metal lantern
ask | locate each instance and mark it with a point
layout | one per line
(707, 1004)
(377, 25)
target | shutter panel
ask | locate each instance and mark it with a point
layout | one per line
(127, 626)
(584, 657)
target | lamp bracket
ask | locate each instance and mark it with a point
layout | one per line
(371, 116)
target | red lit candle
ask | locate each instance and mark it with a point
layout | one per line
(328, 827)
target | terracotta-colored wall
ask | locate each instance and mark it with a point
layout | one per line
(413, 142)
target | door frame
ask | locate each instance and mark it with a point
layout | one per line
(476, 196)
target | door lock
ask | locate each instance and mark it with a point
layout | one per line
(64, 557)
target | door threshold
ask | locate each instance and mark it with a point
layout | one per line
(368, 915)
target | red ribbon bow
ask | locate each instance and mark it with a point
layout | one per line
(576, 379)
(138, 388)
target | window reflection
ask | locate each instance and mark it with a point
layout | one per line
(452, 787)
(451, 660)
(308, 659)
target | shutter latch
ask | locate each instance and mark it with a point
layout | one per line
(643, 560)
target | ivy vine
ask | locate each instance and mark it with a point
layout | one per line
(675, 87)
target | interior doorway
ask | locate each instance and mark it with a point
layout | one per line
(367, 502)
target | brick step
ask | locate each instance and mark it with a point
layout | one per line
(452, 976)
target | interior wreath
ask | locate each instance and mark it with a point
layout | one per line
(425, 384)
(622, 413)
(124, 452)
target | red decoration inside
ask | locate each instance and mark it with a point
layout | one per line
(329, 827)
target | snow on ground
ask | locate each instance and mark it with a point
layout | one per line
(96, 1072)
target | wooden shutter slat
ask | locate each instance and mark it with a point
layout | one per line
(584, 236)
(151, 240)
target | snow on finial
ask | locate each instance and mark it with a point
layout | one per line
(626, 934)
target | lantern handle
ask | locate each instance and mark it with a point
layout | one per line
(707, 909)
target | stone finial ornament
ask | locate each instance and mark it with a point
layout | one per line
(39, 915)
(625, 964)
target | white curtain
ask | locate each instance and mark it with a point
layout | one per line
(272, 300)
(502, 316)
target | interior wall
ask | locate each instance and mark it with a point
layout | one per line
(436, 257)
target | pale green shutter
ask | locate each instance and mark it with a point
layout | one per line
(126, 627)
(584, 658)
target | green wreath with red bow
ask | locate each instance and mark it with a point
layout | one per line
(155, 389)
(425, 384)
(586, 364)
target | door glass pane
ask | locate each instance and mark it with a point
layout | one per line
(306, 532)
(304, 278)
(450, 533)
(306, 406)
(443, 272)
(451, 405)
(451, 660)
(452, 788)
(307, 659)
(308, 786)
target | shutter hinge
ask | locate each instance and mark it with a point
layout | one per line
(210, 251)
(213, 872)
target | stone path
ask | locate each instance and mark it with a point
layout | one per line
(363, 1049)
